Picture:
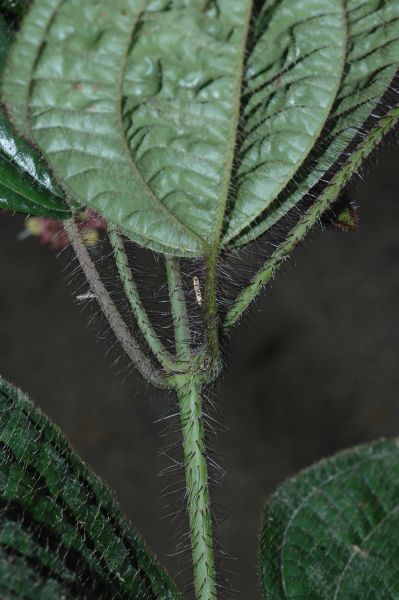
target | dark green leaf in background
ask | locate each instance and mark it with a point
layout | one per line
(61, 533)
(331, 533)
(26, 184)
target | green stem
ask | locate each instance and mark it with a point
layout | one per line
(136, 305)
(310, 217)
(188, 386)
(117, 324)
(179, 310)
(211, 311)
(188, 390)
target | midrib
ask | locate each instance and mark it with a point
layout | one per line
(231, 140)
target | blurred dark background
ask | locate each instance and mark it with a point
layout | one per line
(313, 370)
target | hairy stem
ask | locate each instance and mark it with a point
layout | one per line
(179, 310)
(188, 390)
(211, 312)
(310, 217)
(117, 324)
(132, 294)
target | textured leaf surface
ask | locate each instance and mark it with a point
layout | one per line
(291, 79)
(61, 534)
(372, 62)
(25, 181)
(178, 122)
(333, 531)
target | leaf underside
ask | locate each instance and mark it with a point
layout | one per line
(61, 534)
(371, 64)
(186, 123)
(138, 107)
(26, 184)
(332, 531)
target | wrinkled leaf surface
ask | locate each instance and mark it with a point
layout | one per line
(332, 532)
(61, 533)
(179, 122)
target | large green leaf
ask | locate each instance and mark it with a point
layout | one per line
(61, 534)
(332, 532)
(372, 62)
(26, 184)
(176, 120)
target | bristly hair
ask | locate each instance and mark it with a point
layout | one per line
(174, 495)
(149, 275)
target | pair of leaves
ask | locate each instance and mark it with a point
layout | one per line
(26, 184)
(184, 122)
(61, 533)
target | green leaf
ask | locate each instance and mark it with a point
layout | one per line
(332, 532)
(291, 80)
(26, 184)
(61, 533)
(371, 64)
(382, 127)
(179, 123)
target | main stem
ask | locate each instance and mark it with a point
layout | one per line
(188, 387)
(188, 390)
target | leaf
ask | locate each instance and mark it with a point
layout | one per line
(61, 533)
(151, 114)
(332, 532)
(26, 184)
(383, 126)
(372, 62)
(288, 91)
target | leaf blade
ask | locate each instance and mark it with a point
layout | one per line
(289, 89)
(328, 531)
(92, 143)
(383, 127)
(59, 522)
(366, 79)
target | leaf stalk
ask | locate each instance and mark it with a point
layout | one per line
(132, 294)
(117, 324)
(211, 314)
